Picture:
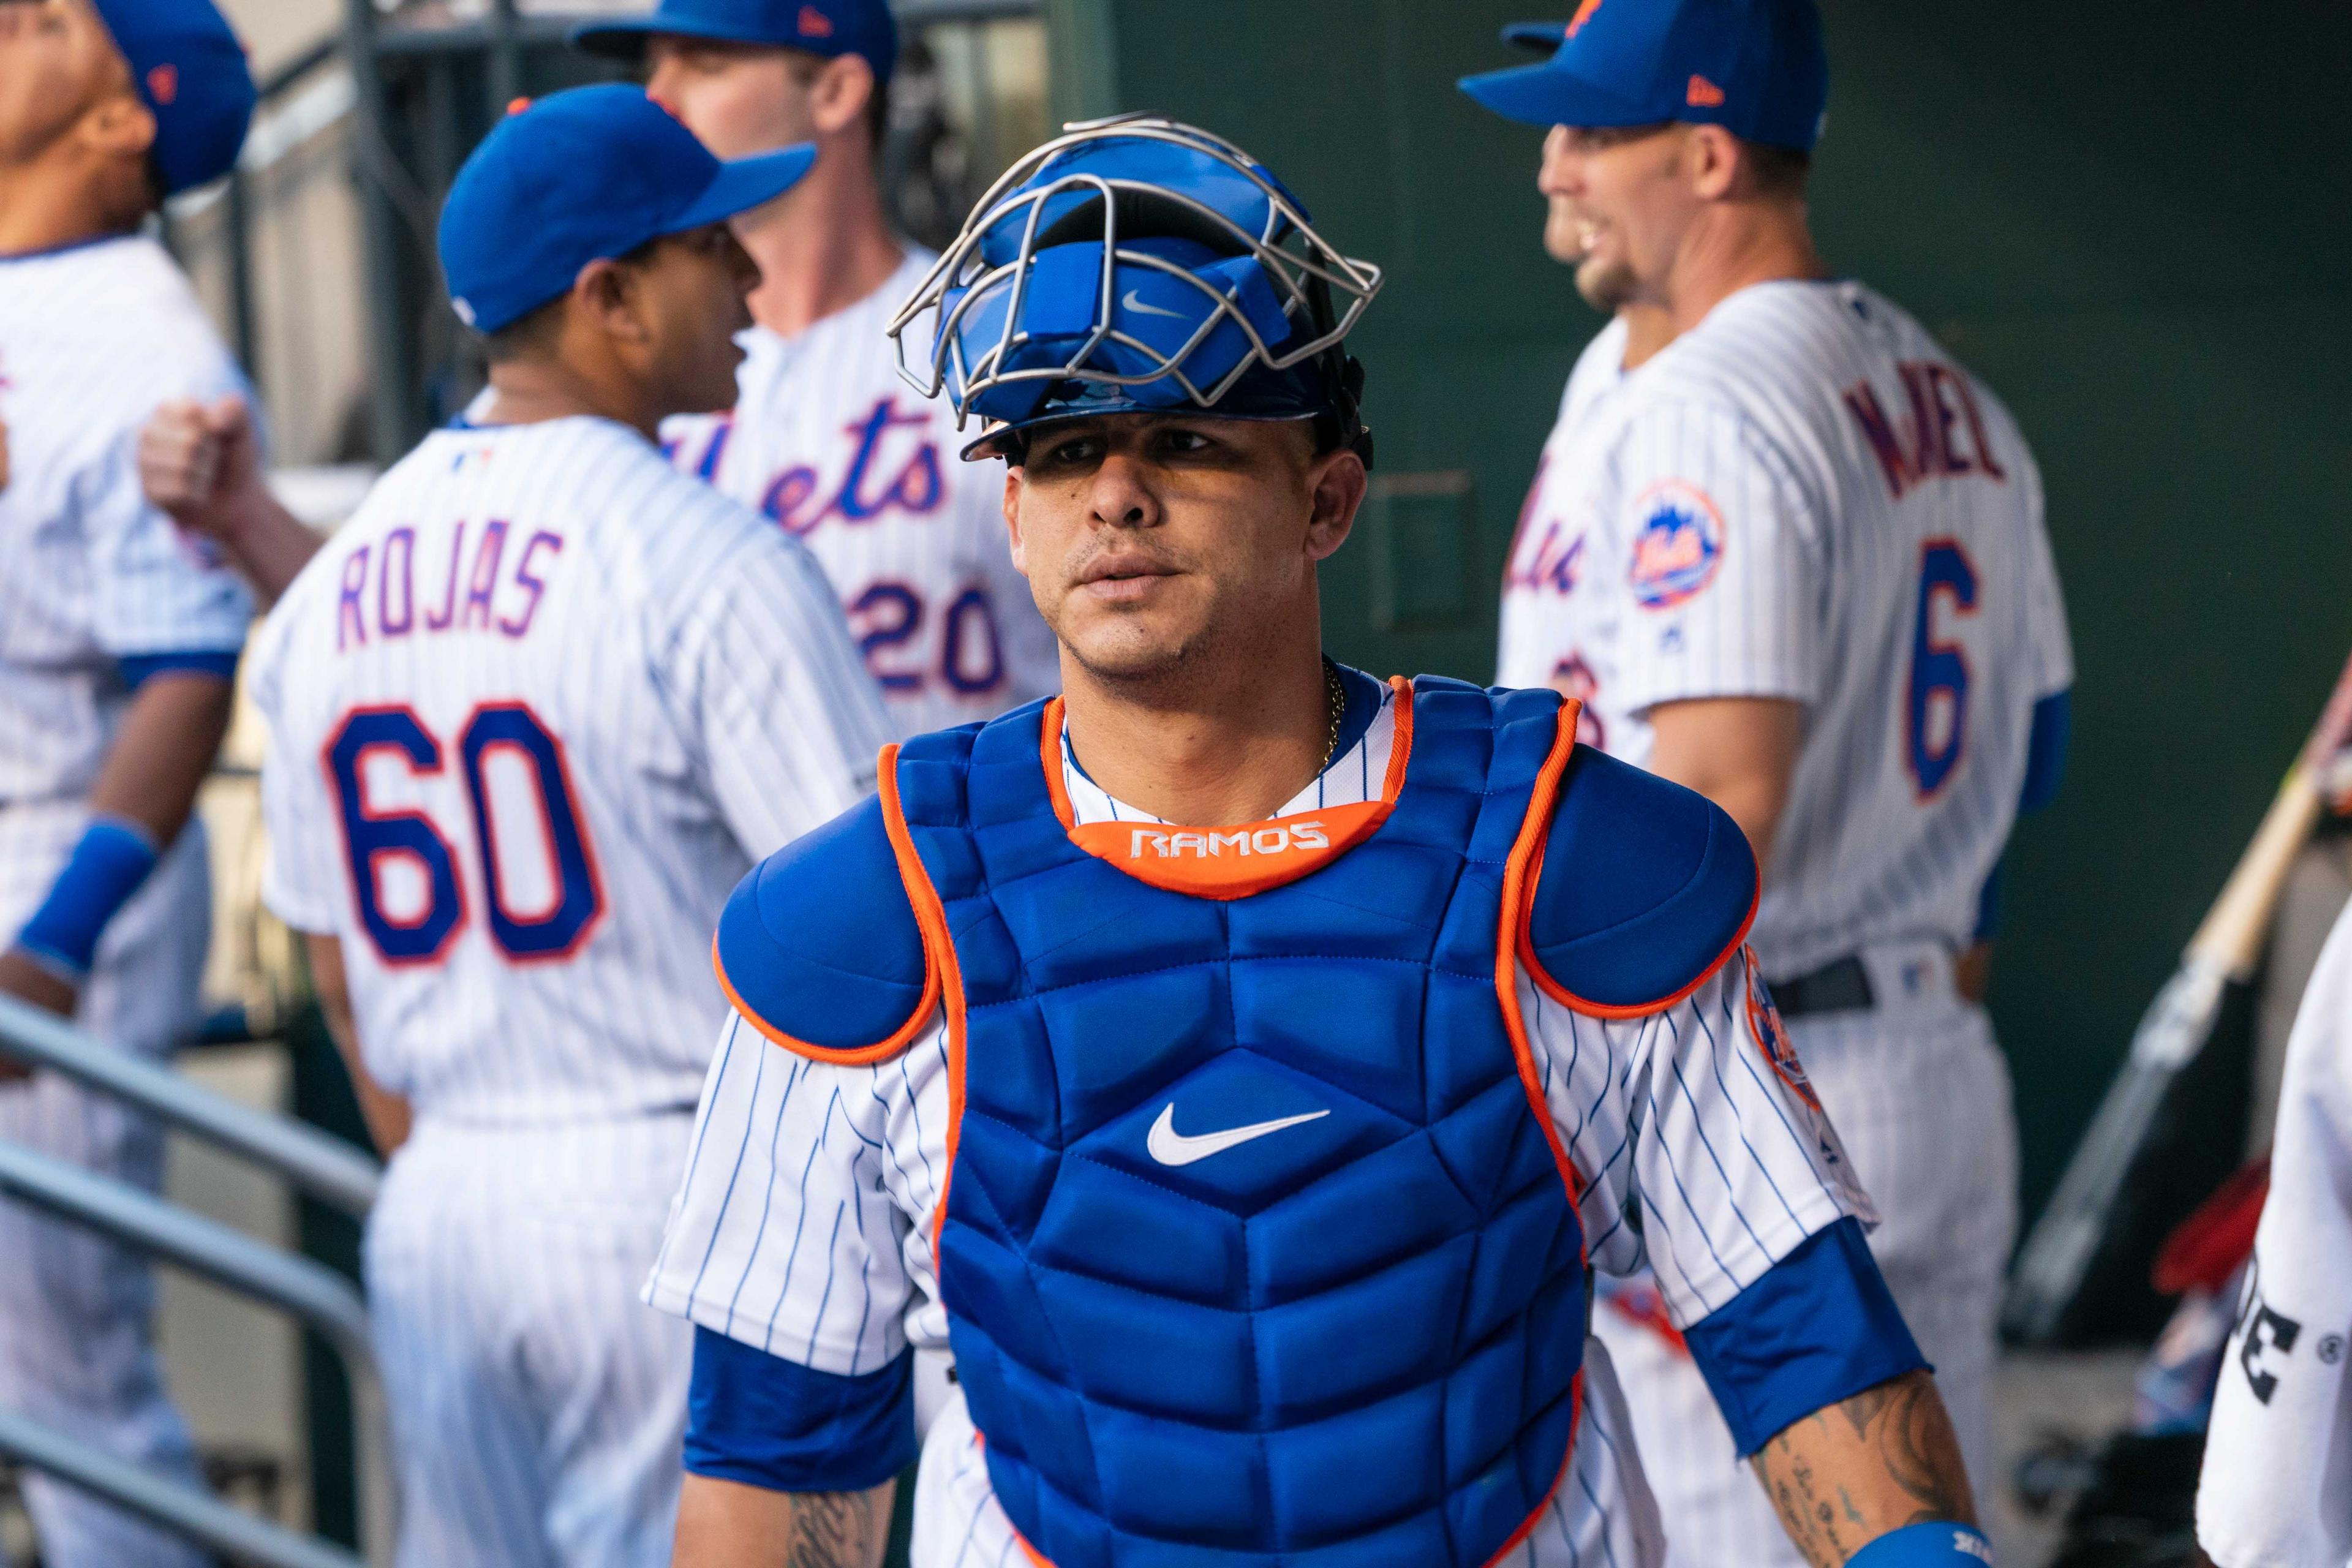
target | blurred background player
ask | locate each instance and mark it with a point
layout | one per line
(1810, 579)
(533, 711)
(825, 438)
(1206, 1221)
(118, 641)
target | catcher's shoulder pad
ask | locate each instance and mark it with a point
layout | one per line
(818, 948)
(1644, 889)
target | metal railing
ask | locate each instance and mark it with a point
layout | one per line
(318, 1295)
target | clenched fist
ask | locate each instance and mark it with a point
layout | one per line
(199, 462)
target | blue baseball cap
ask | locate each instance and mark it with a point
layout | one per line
(582, 175)
(827, 28)
(192, 74)
(1756, 68)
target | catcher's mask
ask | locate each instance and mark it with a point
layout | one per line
(1132, 265)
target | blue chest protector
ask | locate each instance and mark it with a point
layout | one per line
(1256, 1247)
(1352, 1339)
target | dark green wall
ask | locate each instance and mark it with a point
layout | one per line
(2126, 217)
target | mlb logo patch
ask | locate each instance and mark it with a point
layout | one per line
(1764, 1023)
(1678, 547)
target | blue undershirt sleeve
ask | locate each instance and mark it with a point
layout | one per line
(1818, 1328)
(769, 1423)
(2045, 749)
(141, 668)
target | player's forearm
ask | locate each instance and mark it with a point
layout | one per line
(267, 544)
(386, 1113)
(726, 1524)
(1878, 1462)
(162, 752)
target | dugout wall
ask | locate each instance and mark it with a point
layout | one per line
(2118, 214)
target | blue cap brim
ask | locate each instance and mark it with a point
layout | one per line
(625, 37)
(747, 182)
(1546, 95)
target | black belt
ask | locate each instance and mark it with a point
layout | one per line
(1841, 985)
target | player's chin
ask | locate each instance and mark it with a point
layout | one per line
(1127, 643)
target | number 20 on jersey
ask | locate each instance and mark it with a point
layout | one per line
(503, 736)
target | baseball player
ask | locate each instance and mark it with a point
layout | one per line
(118, 641)
(1251, 1171)
(2277, 1486)
(1796, 560)
(534, 710)
(824, 438)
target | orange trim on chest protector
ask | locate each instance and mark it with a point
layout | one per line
(1234, 861)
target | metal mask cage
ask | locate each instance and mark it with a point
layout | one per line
(1309, 274)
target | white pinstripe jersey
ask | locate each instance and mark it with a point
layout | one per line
(846, 457)
(92, 339)
(533, 711)
(804, 1222)
(1805, 497)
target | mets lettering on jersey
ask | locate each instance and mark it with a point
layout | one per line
(831, 445)
(1804, 497)
(532, 712)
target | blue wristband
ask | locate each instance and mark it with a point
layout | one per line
(106, 867)
(1926, 1546)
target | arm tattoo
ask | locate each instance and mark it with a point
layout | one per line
(1844, 1476)
(839, 1530)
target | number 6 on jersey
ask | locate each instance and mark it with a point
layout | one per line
(536, 912)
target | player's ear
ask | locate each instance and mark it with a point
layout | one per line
(120, 126)
(1340, 483)
(613, 298)
(1012, 516)
(1712, 160)
(843, 91)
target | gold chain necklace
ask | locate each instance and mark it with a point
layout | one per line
(1338, 696)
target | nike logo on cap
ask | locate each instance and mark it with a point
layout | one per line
(1134, 302)
(1170, 1147)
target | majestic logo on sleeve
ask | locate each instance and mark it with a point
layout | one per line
(1772, 1035)
(1678, 547)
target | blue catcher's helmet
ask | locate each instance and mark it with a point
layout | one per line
(1134, 266)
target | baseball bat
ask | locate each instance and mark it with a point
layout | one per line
(2222, 954)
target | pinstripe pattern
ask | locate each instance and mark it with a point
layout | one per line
(1815, 597)
(802, 1224)
(690, 665)
(827, 440)
(91, 339)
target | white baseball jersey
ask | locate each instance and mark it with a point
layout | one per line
(533, 711)
(92, 339)
(1805, 497)
(847, 459)
(803, 1226)
(2277, 1487)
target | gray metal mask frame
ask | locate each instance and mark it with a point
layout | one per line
(961, 267)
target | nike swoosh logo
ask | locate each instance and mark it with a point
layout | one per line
(1170, 1147)
(1133, 302)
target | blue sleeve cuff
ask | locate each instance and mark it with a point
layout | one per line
(1988, 924)
(141, 668)
(1936, 1545)
(1820, 1327)
(769, 1423)
(2045, 749)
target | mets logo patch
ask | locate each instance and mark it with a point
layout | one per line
(1678, 547)
(1764, 1023)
